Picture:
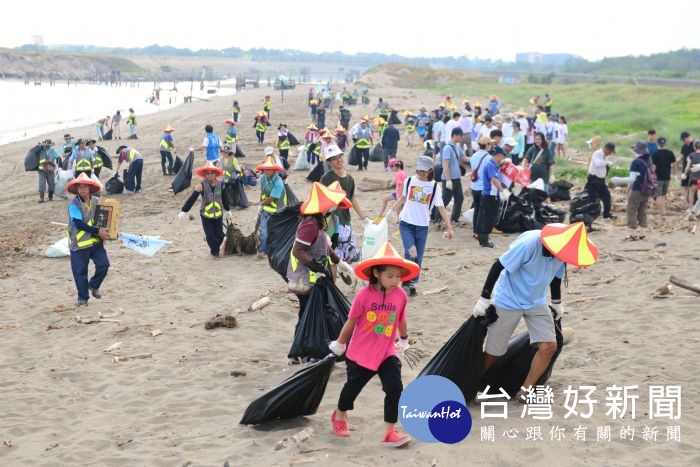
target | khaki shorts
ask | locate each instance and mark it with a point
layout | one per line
(539, 321)
(662, 187)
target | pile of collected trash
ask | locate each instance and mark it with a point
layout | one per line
(527, 212)
(582, 209)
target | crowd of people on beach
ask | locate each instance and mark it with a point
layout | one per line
(496, 150)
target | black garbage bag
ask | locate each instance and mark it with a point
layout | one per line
(235, 194)
(393, 118)
(177, 165)
(114, 186)
(461, 359)
(510, 370)
(291, 196)
(183, 179)
(282, 229)
(293, 141)
(297, 396)
(377, 154)
(31, 160)
(107, 136)
(585, 218)
(511, 222)
(559, 190)
(324, 316)
(352, 157)
(534, 196)
(550, 215)
(106, 160)
(582, 204)
(240, 152)
(317, 172)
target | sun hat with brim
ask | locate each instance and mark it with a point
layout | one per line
(47, 142)
(209, 167)
(332, 150)
(387, 256)
(325, 133)
(322, 199)
(312, 127)
(345, 203)
(379, 121)
(83, 179)
(228, 121)
(340, 129)
(365, 118)
(269, 164)
(520, 113)
(168, 129)
(570, 244)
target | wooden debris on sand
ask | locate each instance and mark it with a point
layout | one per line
(235, 243)
(221, 321)
(260, 304)
(375, 184)
(295, 439)
(682, 283)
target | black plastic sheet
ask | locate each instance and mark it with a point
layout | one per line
(352, 157)
(177, 165)
(114, 186)
(581, 204)
(235, 194)
(183, 179)
(106, 160)
(559, 190)
(377, 154)
(293, 141)
(31, 160)
(297, 396)
(317, 172)
(282, 229)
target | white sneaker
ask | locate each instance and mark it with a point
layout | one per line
(128, 192)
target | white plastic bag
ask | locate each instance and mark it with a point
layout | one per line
(375, 236)
(61, 178)
(468, 216)
(58, 249)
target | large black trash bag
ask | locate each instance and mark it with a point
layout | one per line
(585, 218)
(177, 165)
(393, 118)
(282, 229)
(377, 154)
(114, 186)
(239, 151)
(297, 396)
(106, 160)
(183, 179)
(31, 160)
(582, 204)
(550, 215)
(324, 316)
(559, 190)
(461, 359)
(293, 141)
(510, 370)
(352, 157)
(291, 197)
(107, 136)
(317, 172)
(534, 196)
(235, 194)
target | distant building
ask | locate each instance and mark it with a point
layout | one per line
(508, 79)
(537, 58)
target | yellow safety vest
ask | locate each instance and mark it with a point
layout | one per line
(211, 201)
(284, 145)
(260, 126)
(82, 162)
(80, 239)
(97, 161)
(410, 128)
(272, 207)
(230, 168)
(267, 105)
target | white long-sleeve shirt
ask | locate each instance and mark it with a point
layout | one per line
(599, 164)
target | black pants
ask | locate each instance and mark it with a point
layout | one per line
(358, 376)
(488, 216)
(97, 171)
(166, 156)
(597, 188)
(214, 231)
(456, 192)
(260, 135)
(388, 154)
(476, 204)
(362, 157)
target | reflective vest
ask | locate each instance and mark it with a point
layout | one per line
(165, 143)
(211, 200)
(83, 160)
(410, 128)
(213, 147)
(260, 126)
(267, 105)
(283, 143)
(363, 141)
(131, 154)
(230, 135)
(236, 109)
(296, 270)
(131, 120)
(42, 159)
(80, 239)
(269, 184)
(97, 161)
(230, 168)
(317, 149)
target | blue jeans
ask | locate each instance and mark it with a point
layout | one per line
(413, 235)
(262, 233)
(79, 262)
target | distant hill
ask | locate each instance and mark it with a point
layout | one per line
(683, 63)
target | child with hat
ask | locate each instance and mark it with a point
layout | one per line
(214, 208)
(167, 146)
(377, 312)
(273, 197)
(236, 110)
(260, 124)
(311, 145)
(84, 239)
(282, 142)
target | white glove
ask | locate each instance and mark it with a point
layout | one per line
(684, 176)
(481, 306)
(181, 216)
(505, 195)
(392, 217)
(346, 272)
(337, 348)
(695, 168)
(558, 309)
(227, 215)
(402, 347)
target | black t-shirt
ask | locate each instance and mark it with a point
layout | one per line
(662, 159)
(686, 150)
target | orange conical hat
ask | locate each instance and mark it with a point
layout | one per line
(570, 244)
(269, 164)
(209, 167)
(168, 129)
(345, 203)
(387, 256)
(365, 118)
(379, 121)
(322, 199)
(83, 179)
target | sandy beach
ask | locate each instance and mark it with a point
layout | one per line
(65, 401)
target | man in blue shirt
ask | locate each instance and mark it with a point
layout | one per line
(451, 155)
(212, 145)
(492, 191)
(534, 262)
(478, 159)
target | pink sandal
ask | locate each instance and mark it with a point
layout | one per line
(340, 427)
(394, 439)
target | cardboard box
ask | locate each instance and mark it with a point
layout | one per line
(107, 216)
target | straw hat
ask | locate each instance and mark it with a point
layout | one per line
(379, 121)
(477, 104)
(228, 121)
(326, 133)
(482, 118)
(520, 112)
(365, 118)
(168, 129)
(570, 244)
(465, 101)
(322, 199)
(269, 164)
(83, 179)
(209, 167)
(340, 129)
(312, 127)
(387, 256)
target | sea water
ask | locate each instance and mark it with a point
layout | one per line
(29, 110)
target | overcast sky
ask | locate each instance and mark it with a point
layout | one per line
(497, 29)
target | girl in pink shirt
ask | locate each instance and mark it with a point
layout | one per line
(377, 312)
(396, 166)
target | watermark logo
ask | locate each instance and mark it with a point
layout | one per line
(432, 409)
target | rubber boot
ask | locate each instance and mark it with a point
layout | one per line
(50, 195)
(41, 196)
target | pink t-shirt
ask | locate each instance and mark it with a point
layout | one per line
(400, 181)
(378, 318)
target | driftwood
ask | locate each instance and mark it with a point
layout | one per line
(375, 184)
(126, 358)
(296, 439)
(583, 300)
(628, 258)
(435, 291)
(604, 281)
(682, 283)
(433, 252)
(236, 243)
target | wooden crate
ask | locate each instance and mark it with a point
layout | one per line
(107, 216)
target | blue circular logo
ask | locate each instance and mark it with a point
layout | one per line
(432, 409)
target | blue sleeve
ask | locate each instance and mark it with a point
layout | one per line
(277, 189)
(490, 171)
(444, 155)
(560, 272)
(518, 254)
(77, 217)
(74, 212)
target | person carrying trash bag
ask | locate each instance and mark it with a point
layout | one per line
(535, 261)
(48, 161)
(234, 192)
(214, 209)
(377, 313)
(85, 241)
(132, 181)
(167, 146)
(273, 197)
(312, 251)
